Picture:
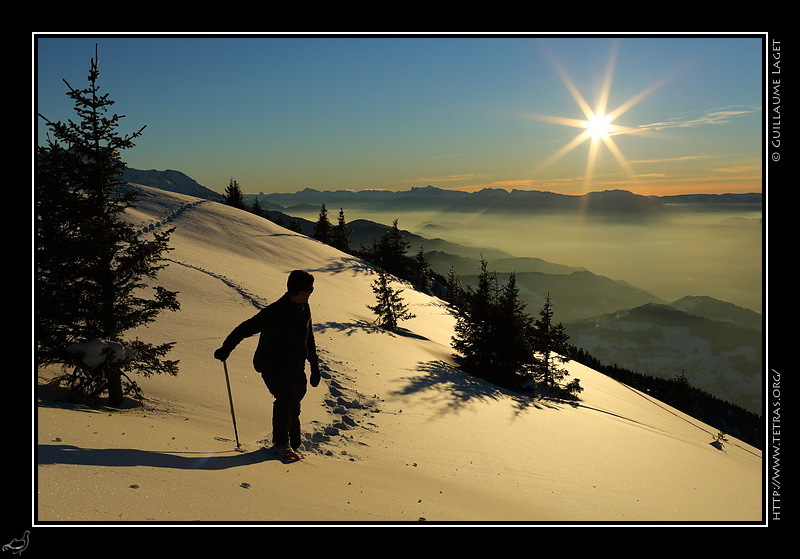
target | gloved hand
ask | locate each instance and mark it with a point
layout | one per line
(315, 377)
(222, 354)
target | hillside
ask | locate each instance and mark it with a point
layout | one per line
(716, 354)
(713, 309)
(395, 433)
(170, 180)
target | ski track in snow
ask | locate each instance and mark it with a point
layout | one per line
(344, 404)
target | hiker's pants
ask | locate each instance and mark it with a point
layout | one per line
(288, 388)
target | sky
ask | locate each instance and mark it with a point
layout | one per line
(283, 113)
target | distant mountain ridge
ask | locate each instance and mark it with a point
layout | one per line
(714, 309)
(609, 204)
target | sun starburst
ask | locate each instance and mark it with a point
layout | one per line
(599, 127)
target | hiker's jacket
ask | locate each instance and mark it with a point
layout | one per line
(287, 337)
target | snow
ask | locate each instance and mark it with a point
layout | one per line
(395, 433)
(96, 352)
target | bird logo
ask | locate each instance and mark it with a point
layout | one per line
(18, 545)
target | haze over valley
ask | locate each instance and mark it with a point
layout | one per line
(671, 247)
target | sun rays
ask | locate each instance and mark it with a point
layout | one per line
(598, 127)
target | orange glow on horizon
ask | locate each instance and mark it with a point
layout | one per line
(701, 188)
(665, 187)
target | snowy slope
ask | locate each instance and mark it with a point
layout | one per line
(395, 432)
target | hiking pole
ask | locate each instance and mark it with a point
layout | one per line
(230, 399)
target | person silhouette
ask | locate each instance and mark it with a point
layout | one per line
(285, 343)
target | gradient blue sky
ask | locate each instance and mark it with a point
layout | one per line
(280, 114)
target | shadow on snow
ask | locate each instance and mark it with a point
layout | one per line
(48, 454)
(450, 389)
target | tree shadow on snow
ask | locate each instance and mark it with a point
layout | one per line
(353, 266)
(350, 328)
(450, 388)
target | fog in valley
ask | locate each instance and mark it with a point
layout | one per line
(708, 253)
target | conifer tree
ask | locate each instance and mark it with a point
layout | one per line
(497, 340)
(475, 339)
(390, 252)
(681, 394)
(422, 275)
(341, 234)
(93, 271)
(513, 331)
(389, 308)
(454, 289)
(323, 227)
(550, 342)
(257, 208)
(233, 195)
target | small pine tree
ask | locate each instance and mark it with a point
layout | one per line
(454, 289)
(257, 208)
(93, 269)
(422, 275)
(341, 234)
(323, 227)
(233, 195)
(390, 308)
(550, 342)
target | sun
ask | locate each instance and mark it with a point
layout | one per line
(599, 127)
(598, 123)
